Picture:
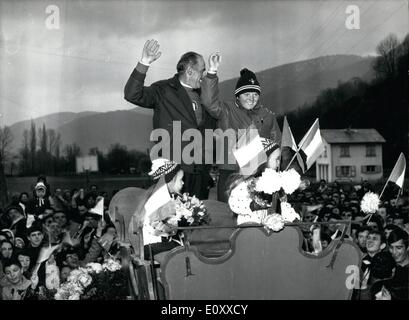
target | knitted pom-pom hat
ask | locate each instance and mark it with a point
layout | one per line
(247, 83)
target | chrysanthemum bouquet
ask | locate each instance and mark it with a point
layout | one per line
(94, 282)
(370, 202)
(270, 187)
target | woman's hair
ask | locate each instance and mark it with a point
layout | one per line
(233, 181)
(11, 261)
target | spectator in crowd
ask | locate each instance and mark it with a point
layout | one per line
(323, 187)
(383, 213)
(399, 220)
(24, 258)
(6, 248)
(18, 221)
(19, 243)
(40, 203)
(102, 247)
(64, 273)
(35, 237)
(398, 247)
(375, 243)
(325, 240)
(60, 217)
(15, 286)
(24, 200)
(91, 229)
(43, 179)
(69, 258)
(389, 228)
(362, 236)
(58, 202)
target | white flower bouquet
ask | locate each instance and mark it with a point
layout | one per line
(94, 282)
(188, 211)
(370, 202)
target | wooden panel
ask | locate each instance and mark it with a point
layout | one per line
(214, 242)
(259, 266)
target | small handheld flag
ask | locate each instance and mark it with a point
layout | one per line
(249, 151)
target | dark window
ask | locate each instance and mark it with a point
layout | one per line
(371, 169)
(344, 151)
(370, 151)
(345, 171)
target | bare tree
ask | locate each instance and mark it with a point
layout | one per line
(386, 64)
(57, 145)
(6, 138)
(51, 139)
(33, 145)
(25, 153)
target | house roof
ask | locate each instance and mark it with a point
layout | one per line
(352, 136)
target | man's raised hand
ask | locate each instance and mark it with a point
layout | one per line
(214, 61)
(150, 52)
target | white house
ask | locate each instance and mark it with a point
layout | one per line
(350, 155)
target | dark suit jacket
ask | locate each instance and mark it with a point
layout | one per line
(170, 102)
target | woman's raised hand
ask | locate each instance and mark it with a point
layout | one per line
(214, 61)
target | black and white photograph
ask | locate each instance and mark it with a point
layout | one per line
(208, 152)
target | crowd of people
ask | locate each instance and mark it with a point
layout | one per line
(382, 237)
(41, 219)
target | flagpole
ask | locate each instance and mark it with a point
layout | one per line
(292, 160)
(383, 188)
(399, 192)
(299, 147)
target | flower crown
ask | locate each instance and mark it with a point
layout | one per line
(269, 145)
(162, 166)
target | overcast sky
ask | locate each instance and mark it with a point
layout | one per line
(85, 64)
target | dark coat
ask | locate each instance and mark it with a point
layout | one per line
(170, 102)
(36, 208)
(232, 116)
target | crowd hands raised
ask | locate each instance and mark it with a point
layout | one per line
(66, 223)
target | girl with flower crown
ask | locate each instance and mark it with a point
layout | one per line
(166, 208)
(157, 232)
(261, 198)
(241, 200)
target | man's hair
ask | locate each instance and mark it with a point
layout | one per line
(363, 229)
(378, 220)
(6, 241)
(10, 262)
(188, 59)
(380, 233)
(398, 234)
(61, 257)
(391, 227)
(36, 227)
(22, 252)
